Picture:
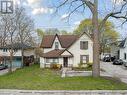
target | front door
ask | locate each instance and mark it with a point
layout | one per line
(65, 60)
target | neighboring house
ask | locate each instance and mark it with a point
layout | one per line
(123, 50)
(119, 49)
(114, 49)
(5, 53)
(67, 50)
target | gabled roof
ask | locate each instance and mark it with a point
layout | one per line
(16, 46)
(55, 53)
(65, 40)
(122, 44)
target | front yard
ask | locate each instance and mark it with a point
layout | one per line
(45, 79)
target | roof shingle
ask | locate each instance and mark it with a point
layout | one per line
(65, 40)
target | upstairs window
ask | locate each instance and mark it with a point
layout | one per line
(4, 50)
(84, 45)
(125, 56)
(15, 50)
(56, 45)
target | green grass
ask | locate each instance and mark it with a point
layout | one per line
(44, 79)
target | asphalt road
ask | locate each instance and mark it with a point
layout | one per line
(118, 71)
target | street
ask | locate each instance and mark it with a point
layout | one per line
(117, 71)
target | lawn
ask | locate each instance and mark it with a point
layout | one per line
(44, 79)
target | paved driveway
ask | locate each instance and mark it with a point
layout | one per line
(118, 71)
(2, 72)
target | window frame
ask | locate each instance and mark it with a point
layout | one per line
(83, 45)
(52, 60)
(56, 45)
(81, 58)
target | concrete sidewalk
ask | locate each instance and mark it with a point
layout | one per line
(62, 92)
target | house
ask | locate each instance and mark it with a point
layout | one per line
(29, 52)
(123, 50)
(119, 49)
(67, 50)
(114, 49)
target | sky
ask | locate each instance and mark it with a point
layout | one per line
(45, 15)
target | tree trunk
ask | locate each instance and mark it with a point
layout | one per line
(11, 59)
(96, 47)
(22, 59)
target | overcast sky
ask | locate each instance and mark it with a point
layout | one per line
(42, 11)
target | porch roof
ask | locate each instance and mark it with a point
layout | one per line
(55, 53)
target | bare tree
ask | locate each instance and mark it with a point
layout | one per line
(118, 12)
(3, 30)
(25, 27)
(11, 22)
(17, 27)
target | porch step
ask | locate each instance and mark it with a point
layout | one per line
(64, 70)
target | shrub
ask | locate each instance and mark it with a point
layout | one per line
(80, 64)
(89, 64)
(55, 66)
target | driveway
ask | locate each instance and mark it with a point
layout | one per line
(5, 71)
(117, 71)
(2, 72)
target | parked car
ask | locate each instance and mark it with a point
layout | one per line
(2, 66)
(113, 58)
(107, 59)
(125, 64)
(118, 62)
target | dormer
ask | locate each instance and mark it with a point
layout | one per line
(56, 44)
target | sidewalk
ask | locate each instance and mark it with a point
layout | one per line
(62, 92)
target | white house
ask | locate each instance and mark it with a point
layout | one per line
(123, 50)
(67, 50)
(115, 49)
(119, 49)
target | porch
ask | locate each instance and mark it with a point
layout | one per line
(61, 57)
(62, 61)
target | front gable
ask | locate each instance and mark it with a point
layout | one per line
(83, 37)
(56, 39)
(66, 53)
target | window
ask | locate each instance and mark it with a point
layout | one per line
(84, 58)
(125, 56)
(52, 60)
(84, 45)
(56, 45)
(4, 50)
(15, 50)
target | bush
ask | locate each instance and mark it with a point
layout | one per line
(89, 64)
(55, 66)
(84, 66)
(80, 64)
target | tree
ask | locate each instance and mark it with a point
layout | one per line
(108, 34)
(18, 27)
(118, 12)
(10, 22)
(51, 31)
(40, 32)
(25, 27)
